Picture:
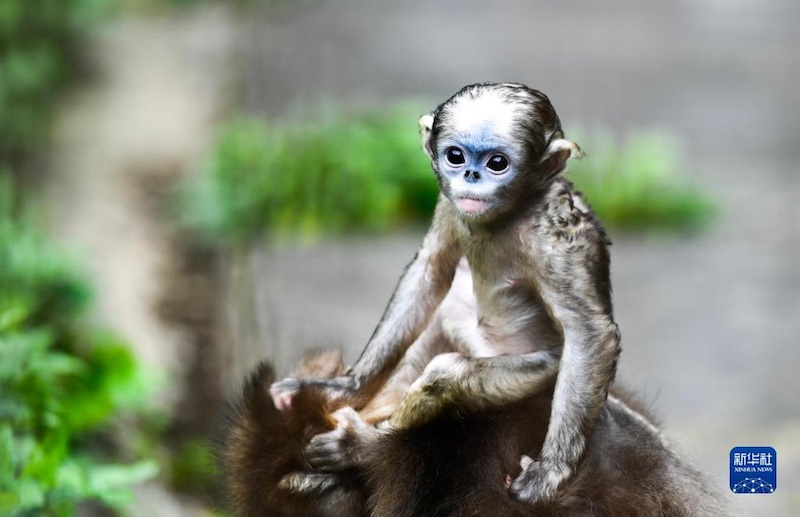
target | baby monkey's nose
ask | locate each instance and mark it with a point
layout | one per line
(472, 176)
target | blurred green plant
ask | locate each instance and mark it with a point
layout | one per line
(193, 468)
(39, 47)
(61, 386)
(149, 6)
(344, 174)
(639, 186)
(339, 174)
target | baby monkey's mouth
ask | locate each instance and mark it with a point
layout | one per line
(470, 204)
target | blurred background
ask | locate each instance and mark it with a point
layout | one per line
(188, 187)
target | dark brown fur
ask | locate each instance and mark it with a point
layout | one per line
(261, 445)
(453, 466)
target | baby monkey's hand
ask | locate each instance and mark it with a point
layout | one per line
(283, 392)
(537, 482)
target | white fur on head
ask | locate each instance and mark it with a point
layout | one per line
(489, 112)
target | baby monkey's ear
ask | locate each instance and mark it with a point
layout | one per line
(425, 127)
(556, 155)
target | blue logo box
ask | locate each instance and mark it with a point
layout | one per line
(754, 470)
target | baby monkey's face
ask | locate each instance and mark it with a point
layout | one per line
(494, 147)
(477, 154)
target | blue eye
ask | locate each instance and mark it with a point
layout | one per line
(497, 163)
(454, 156)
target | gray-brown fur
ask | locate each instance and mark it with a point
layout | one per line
(539, 267)
(454, 465)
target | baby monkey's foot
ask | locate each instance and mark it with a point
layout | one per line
(343, 447)
(308, 483)
(437, 388)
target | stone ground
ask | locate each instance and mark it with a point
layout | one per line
(708, 321)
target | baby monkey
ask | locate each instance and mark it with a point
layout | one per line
(537, 300)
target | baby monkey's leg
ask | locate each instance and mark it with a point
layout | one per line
(431, 343)
(451, 382)
(345, 446)
(471, 384)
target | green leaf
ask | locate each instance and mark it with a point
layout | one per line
(110, 483)
(9, 502)
(12, 317)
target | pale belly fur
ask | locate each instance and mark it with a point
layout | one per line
(508, 319)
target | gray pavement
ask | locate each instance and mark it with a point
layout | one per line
(709, 322)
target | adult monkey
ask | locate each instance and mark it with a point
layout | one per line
(453, 465)
(539, 264)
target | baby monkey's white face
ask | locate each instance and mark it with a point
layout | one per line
(476, 153)
(493, 146)
(475, 169)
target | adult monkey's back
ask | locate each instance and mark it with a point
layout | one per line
(450, 466)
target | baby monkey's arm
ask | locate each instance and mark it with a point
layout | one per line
(416, 297)
(573, 280)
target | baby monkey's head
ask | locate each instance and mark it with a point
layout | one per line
(494, 146)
